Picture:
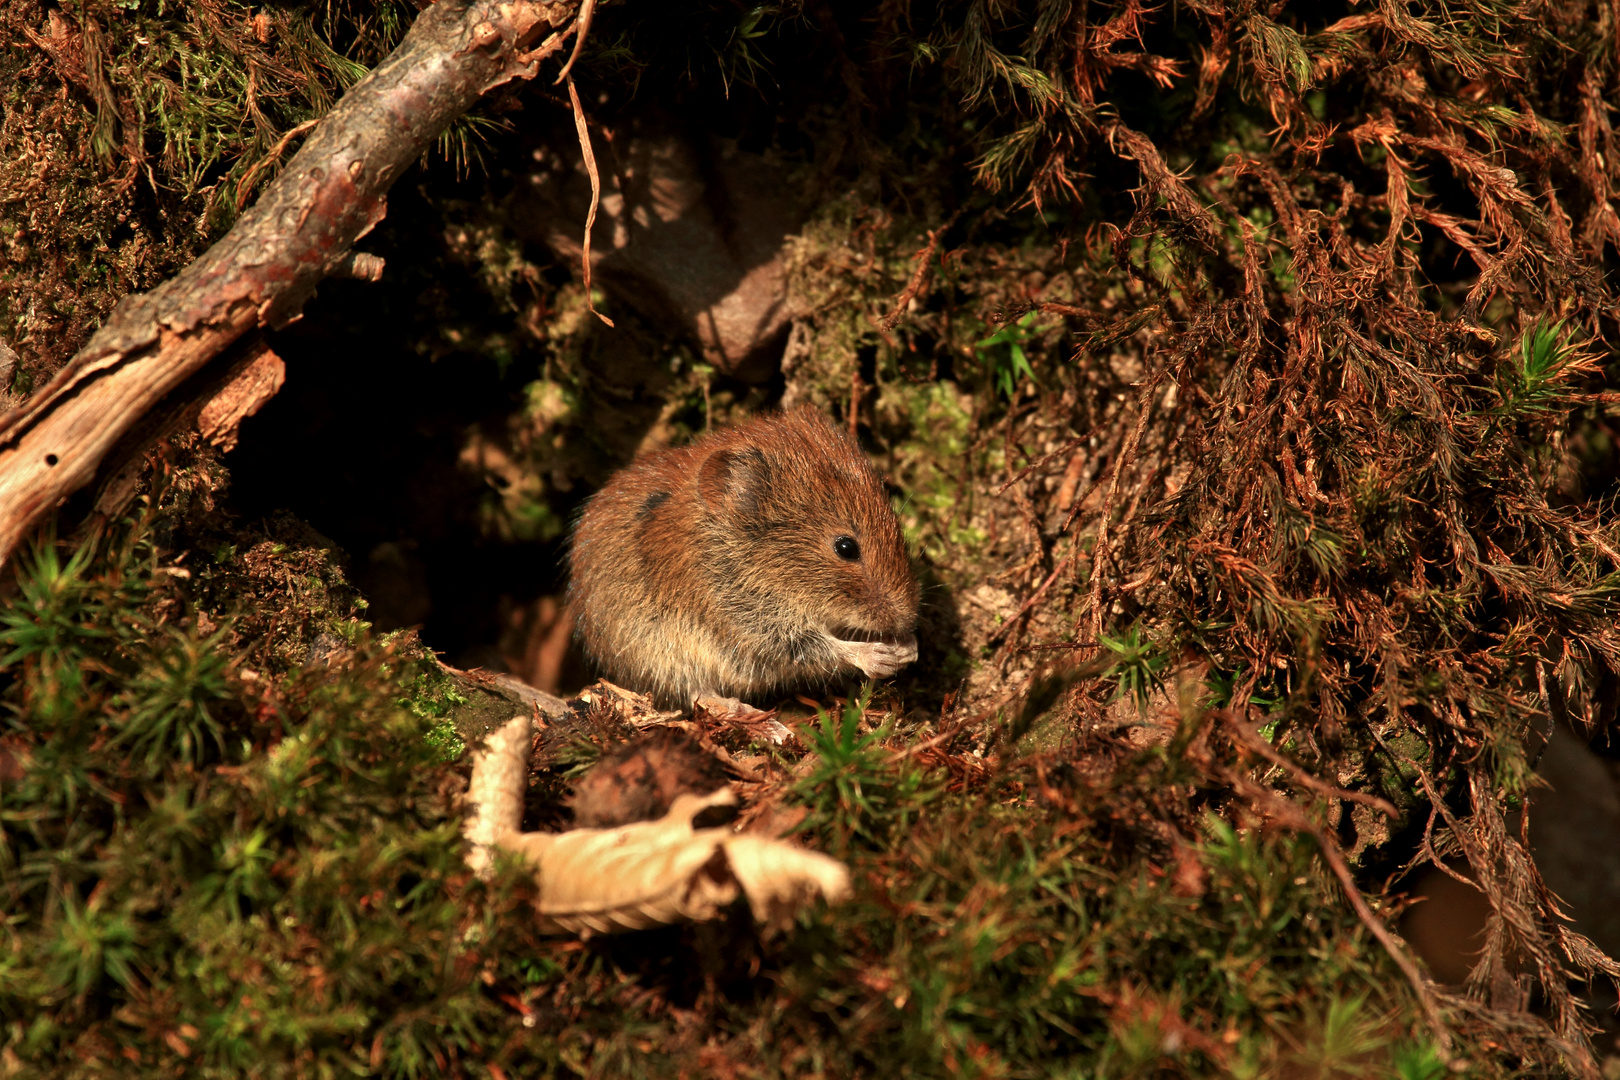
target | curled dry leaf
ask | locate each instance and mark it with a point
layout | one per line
(646, 874)
(636, 710)
(760, 723)
(495, 794)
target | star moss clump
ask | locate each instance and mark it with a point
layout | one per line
(211, 866)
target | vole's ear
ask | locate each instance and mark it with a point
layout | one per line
(734, 480)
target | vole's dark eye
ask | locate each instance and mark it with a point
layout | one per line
(847, 548)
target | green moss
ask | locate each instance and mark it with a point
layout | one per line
(435, 697)
(247, 874)
(990, 938)
(924, 462)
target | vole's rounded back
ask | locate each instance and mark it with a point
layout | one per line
(757, 558)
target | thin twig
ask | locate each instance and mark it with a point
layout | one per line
(582, 28)
(925, 262)
(1290, 815)
(1034, 598)
(1099, 552)
(596, 183)
(1079, 499)
(244, 189)
(1253, 741)
(1067, 448)
(943, 738)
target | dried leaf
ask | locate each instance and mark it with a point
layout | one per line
(647, 874)
(760, 723)
(495, 792)
(641, 779)
(637, 710)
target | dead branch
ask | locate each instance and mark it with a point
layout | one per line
(261, 273)
(590, 168)
(1100, 553)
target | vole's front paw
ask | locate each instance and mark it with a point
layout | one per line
(877, 659)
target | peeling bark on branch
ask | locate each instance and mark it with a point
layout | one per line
(263, 271)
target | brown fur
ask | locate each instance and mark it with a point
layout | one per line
(712, 569)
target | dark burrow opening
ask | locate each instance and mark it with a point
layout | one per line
(363, 443)
(420, 422)
(393, 406)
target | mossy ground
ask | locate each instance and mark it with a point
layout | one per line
(223, 862)
(1253, 387)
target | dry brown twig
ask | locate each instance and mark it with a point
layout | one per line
(1252, 740)
(919, 276)
(1034, 598)
(261, 273)
(596, 188)
(244, 187)
(1499, 866)
(1100, 552)
(1041, 462)
(582, 30)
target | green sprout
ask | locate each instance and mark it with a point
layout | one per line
(856, 784)
(1136, 665)
(90, 944)
(848, 763)
(1537, 384)
(1003, 354)
(1419, 1061)
(55, 614)
(174, 699)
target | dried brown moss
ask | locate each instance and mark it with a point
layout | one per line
(1329, 354)
(131, 134)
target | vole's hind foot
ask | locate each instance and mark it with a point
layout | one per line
(877, 659)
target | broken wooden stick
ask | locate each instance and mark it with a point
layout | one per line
(262, 272)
